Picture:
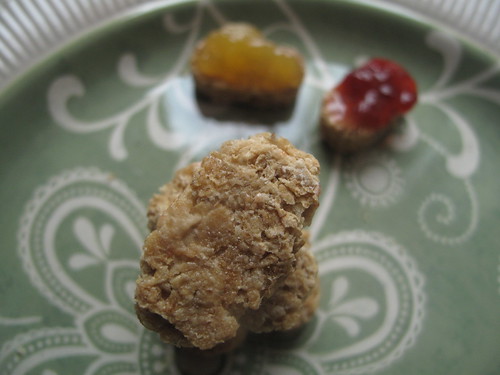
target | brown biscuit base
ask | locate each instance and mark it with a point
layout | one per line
(345, 138)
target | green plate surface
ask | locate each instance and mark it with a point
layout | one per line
(407, 234)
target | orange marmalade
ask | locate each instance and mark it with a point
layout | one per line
(239, 57)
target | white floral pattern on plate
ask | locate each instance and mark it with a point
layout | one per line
(104, 323)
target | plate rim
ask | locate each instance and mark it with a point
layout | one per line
(19, 55)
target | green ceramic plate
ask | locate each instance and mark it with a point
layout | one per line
(407, 235)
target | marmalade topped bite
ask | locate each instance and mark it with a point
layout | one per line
(237, 64)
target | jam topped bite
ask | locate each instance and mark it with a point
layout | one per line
(237, 64)
(366, 104)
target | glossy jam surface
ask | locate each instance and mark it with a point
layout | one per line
(372, 96)
(238, 55)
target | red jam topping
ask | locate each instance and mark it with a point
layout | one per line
(372, 96)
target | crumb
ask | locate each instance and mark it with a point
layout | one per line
(294, 301)
(227, 240)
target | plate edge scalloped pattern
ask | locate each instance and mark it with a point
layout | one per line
(475, 20)
(30, 31)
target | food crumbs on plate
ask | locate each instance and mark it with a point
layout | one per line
(237, 64)
(111, 177)
(365, 106)
(228, 252)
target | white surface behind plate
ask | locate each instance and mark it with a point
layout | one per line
(32, 29)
